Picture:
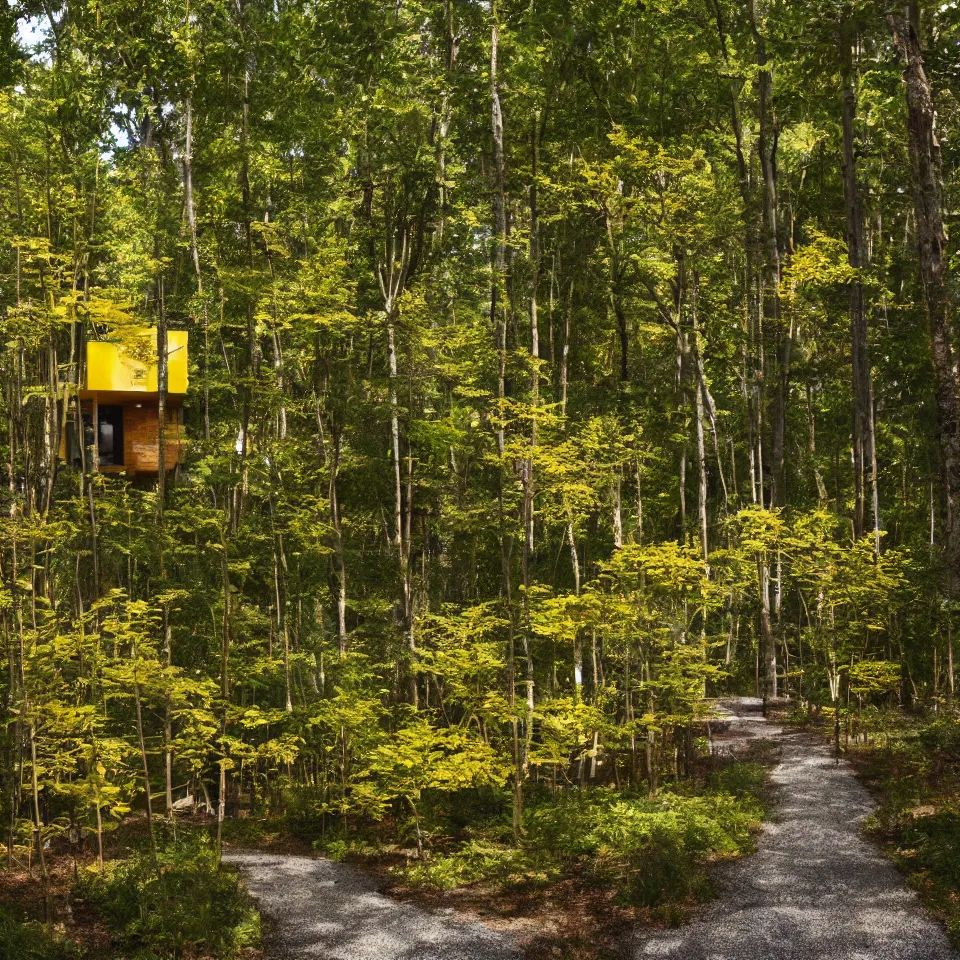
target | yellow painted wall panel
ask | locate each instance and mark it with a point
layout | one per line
(132, 364)
(178, 377)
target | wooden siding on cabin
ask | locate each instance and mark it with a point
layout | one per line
(140, 441)
(140, 422)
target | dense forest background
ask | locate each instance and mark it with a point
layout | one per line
(554, 366)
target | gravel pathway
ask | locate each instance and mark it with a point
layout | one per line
(815, 889)
(323, 910)
(737, 722)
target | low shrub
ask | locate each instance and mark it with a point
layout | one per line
(654, 852)
(941, 738)
(800, 716)
(30, 941)
(250, 831)
(932, 844)
(182, 904)
(478, 861)
(338, 848)
(478, 807)
(305, 814)
(742, 780)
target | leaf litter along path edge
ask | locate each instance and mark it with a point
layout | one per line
(815, 888)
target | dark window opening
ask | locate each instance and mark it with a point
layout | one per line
(110, 435)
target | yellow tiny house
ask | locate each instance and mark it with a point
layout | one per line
(120, 405)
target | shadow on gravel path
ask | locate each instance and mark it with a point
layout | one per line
(815, 889)
(324, 910)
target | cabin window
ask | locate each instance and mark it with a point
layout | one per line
(110, 435)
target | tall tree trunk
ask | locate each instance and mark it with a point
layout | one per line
(37, 820)
(443, 126)
(498, 312)
(224, 682)
(195, 254)
(392, 276)
(927, 184)
(701, 477)
(280, 600)
(565, 352)
(338, 552)
(768, 641)
(616, 300)
(253, 342)
(770, 296)
(395, 430)
(409, 597)
(616, 487)
(534, 334)
(162, 378)
(750, 238)
(145, 763)
(498, 320)
(767, 148)
(528, 464)
(864, 455)
(168, 714)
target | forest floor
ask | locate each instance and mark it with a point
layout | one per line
(815, 888)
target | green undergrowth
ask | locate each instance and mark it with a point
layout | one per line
(181, 904)
(913, 766)
(31, 941)
(653, 852)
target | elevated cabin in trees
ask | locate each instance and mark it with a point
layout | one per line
(119, 403)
